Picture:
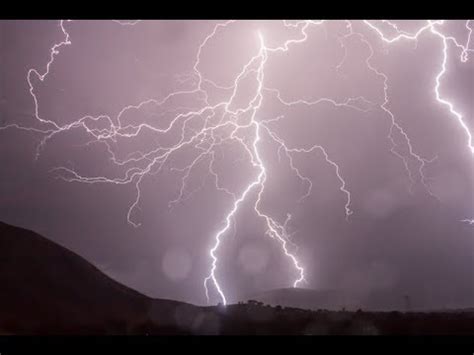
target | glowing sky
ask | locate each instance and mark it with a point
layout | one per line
(251, 154)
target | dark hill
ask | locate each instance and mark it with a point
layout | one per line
(46, 288)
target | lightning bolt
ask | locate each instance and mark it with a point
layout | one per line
(208, 126)
(432, 26)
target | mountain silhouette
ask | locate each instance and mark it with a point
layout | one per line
(46, 288)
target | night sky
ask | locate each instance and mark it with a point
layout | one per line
(403, 230)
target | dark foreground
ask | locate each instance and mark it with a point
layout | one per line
(251, 319)
(48, 290)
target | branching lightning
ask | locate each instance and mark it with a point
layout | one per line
(219, 123)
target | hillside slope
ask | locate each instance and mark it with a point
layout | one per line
(45, 288)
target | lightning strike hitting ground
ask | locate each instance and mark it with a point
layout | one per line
(220, 124)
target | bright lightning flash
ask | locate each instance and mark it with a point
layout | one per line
(220, 123)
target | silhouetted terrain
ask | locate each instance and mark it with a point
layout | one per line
(47, 289)
(375, 300)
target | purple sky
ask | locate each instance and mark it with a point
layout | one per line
(402, 236)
